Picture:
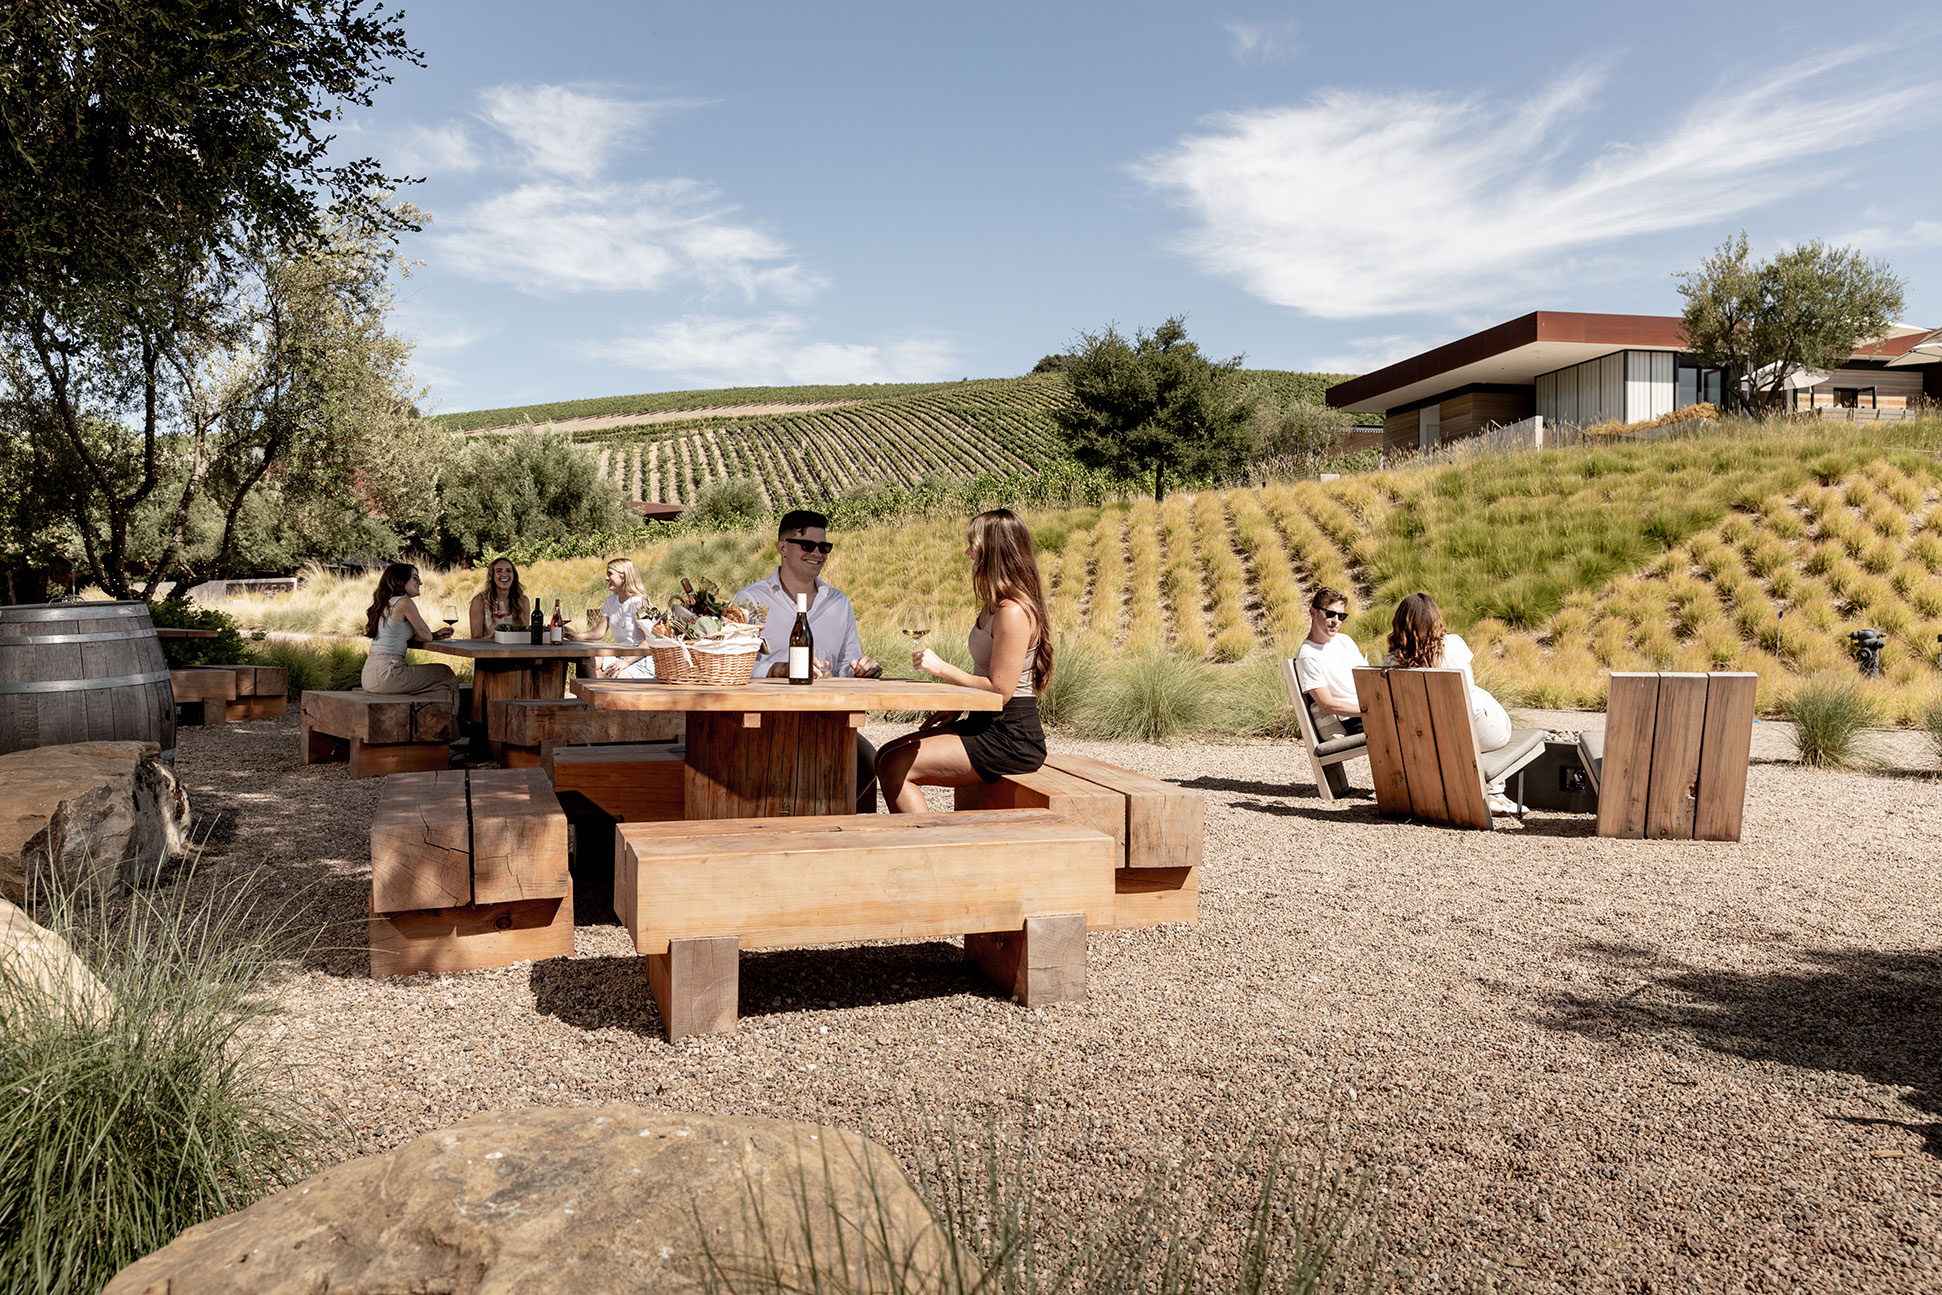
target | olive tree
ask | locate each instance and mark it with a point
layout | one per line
(1762, 320)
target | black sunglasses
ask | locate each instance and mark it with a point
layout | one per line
(1336, 616)
(810, 546)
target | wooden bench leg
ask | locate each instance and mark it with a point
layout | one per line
(1335, 780)
(697, 985)
(1044, 963)
(318, 747)
(369, 761)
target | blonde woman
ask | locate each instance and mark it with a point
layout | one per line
(392, 622)
(502, 599)
(1011, 655)
(621, 614)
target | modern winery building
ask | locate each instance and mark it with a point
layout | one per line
(1583, 369)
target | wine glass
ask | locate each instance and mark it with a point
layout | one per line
(449, 613)
(917, 623)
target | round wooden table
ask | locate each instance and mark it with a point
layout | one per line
(503, 671)
(771, 747)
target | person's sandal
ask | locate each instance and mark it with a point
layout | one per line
(1501, 804)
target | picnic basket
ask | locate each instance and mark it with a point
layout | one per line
(717, 664)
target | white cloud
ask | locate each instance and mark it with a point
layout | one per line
(1358, 203)
(1366, 354)
(1266, 42)
(717, 351)
(432, 151)
(1881, 238)
(640, 236)
(562, 131)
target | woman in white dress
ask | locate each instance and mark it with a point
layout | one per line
(1417, 638)
(620, 614)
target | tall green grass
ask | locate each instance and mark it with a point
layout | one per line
(1829, 713)
(1288, 1230)
(122, 1128)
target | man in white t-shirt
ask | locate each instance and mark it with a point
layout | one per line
(1326, 661)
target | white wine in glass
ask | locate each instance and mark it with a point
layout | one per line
(917, 623)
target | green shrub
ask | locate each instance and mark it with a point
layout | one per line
(1075, 675)
(524, 489)
(179, 611)
(727, 504)
(1829, 712)
(124, 1126)
(1150, 695)
(314, 667)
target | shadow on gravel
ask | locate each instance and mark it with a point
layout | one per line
(611, 992)
(1877, 1015)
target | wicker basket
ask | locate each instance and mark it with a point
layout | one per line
(724, 669)
(699, 663)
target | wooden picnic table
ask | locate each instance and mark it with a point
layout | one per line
(770, 747)
(165, 632)
(502, 671)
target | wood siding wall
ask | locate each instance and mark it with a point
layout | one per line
(1399, 433)
(1470, 413)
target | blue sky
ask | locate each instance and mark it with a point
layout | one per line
(644, 197)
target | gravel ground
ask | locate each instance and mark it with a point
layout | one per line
(1577, 1064)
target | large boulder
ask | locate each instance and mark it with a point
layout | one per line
(38, 962)
(70, 813)
(587, 1200)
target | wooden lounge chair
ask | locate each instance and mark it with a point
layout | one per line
(1671, 761)
(1423, 749)
(1326, 755)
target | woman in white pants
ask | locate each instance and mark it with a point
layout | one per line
(1417, 638)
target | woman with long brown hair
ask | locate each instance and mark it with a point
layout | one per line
(502, 599)
(392, 622)
(1417, 637)
(1011, 655)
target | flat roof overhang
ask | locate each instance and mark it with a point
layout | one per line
(1512, 353)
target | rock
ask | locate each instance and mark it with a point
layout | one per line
(39, 961)
(67, 812)
(590, 1200)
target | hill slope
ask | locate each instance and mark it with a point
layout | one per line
(860, 435)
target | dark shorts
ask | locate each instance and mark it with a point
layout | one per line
(1003, 741)
(1352, 725)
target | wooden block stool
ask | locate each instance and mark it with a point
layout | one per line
(468, 870)
(525, 728)
(377, 732)
(1022, 886)
(203, 694)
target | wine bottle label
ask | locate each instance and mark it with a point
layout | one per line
(798, 663)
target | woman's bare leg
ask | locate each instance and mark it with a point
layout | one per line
(911, 763)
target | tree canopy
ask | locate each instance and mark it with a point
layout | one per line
(1761, 321)
(1154, 405)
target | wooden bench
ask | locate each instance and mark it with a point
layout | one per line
(1423, 749)
(217, 694)
(1326, 756)
(636, 783)
(1155, 827)
(379, 733)
(527, 726)
(1671, 761)
(1022, 887)
(468, 870)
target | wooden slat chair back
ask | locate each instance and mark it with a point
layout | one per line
(1423, 749)
(1672, 761)
(1326, 756)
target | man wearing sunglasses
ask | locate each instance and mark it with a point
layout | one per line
(1326, 662)
(802, 545)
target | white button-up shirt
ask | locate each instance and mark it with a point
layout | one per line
(831, 623)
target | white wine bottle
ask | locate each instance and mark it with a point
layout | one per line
(802, 645)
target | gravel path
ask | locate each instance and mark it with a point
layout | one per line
(1579, 1065)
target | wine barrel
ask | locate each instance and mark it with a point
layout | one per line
(83, 672)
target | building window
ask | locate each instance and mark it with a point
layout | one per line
(1696, 384)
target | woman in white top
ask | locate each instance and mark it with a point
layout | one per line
(1417, 638)
(620, 614)
(392, 622)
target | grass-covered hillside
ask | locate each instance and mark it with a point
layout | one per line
(897, 435)
(1558, 566)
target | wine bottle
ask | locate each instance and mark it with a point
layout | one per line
(539, 624)
(556, 632)
(802, 645)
